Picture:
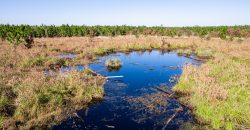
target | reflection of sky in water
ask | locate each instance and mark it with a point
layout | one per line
(65, 69)
(67, 56)
(142, 72)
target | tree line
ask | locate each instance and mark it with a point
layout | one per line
(17, 34)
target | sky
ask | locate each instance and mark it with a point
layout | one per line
(126, 12)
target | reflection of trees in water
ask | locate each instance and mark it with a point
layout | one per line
(140, 53)
(163, 52)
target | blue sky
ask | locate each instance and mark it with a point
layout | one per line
(129, 12)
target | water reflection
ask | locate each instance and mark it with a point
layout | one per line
(133, 102)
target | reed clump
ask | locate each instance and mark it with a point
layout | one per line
(113, 63)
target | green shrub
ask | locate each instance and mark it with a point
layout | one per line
(113, 63)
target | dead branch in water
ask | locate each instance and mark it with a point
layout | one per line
(97, 74)
(180, 109)
(172, 96)
(169, 94)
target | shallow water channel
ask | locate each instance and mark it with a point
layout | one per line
(133, 101)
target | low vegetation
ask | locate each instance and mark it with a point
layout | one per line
(30, 99)
(204, 53)
(186, 52)
(40, 98)
(113, 63)
(218, 91)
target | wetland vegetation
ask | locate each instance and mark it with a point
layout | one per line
(217, 91)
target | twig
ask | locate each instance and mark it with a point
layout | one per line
(180, 109)
(169, 94)
(172, 96)
(78, 117)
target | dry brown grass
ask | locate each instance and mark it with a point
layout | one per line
(39, 100)
(71, 44)
(220, 85)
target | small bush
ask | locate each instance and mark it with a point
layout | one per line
(113, 63)
(204, 53)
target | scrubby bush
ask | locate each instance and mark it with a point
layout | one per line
(113, 63)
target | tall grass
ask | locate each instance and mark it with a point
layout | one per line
(204, 53)
(219, 92)
(40, 96)
(33, 99)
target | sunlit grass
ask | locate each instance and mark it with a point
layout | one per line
(186, 52)
(204, 53)
(43, 95)
(113, 63)
(219, 92)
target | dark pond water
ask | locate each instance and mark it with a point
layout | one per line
(133, 102)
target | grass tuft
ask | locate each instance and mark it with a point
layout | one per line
(204, 53)
(113, 63)
(186, 52)
(38, 98)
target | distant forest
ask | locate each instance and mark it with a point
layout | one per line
(17, 33)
